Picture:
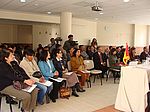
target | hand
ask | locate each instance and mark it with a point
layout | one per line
(56, 73)
(30, 82)
(42, 79)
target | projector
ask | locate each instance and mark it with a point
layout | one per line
(97, 8)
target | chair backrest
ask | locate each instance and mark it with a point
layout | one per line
(89, 64)
(69, 66)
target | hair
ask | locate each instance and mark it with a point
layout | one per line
(44, 55)
(74, 52)
(57, 51)
(112, 50)
(144, 48)
(29, 52)
(5, 54)
(69, 36)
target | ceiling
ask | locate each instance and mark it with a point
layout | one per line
(135, 11)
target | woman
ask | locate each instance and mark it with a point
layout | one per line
(132, 54)
(72, 79)
(48, 70)
(9, 72)
(113, 59)
(30, 66)
(94, 44)
(77, 65)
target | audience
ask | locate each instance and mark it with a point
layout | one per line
(144, 54)
(77, 65)
(9, 72)
(48, 70)
(30, 66)
(72, 79)
(99, 62)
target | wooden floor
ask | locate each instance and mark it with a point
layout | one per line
(108, 109)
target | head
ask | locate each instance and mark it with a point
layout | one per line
(76, 53)
(113, 51)
(99, 49)
(6, 55)
(82, 47)
(58, 53)
(145, 49)
(70, 37)
(52, 40)
(45, 55)
(29, 54)
(132, 50)
(94, 40)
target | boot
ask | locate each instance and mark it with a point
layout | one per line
(79, 88)
(74, 92)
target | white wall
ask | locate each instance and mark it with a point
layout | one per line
(43, 32)
(83, 30)
(141, 36)
(7, 33)
(115, 34)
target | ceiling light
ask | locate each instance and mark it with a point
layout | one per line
(126, 0)
(22, 1)
(49, 12)
(36, 4)
(101, 13)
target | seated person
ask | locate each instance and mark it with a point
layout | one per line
(144, 54)
(83, 52)
(72, 80)
(48, 70)
(30, 66)
(113, 61)
(100, 61)
(10, 71)
(77, 65)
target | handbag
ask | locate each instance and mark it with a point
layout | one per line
(64, 92)
(37, 74)
(19, 85)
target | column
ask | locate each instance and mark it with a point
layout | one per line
(65, 25)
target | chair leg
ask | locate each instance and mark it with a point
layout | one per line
(94, 78)
(101, 78)
(19, 106)
(0, 102)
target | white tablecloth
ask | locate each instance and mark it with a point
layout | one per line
(133, 88)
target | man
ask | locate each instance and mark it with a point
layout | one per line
(52, 45)
(68, 43)
(144, 54)
(99, 62)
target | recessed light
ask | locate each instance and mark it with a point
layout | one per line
(36, 4)
(22, 1)
(126, 0)
(96, 19)
(101, 13)
(49, 12)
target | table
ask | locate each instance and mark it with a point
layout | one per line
(133, 88)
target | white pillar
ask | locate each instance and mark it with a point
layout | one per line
(65, 25)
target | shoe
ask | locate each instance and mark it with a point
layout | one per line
(53, 100)
(41, 103)
(11, 101)
(75, 94)
(80, 90)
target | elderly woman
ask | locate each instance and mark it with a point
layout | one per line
(77, 65)
(9, 72)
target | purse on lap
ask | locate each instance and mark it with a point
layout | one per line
(37, 74)
(19, 85)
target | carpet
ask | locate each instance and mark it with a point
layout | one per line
(108, 109)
